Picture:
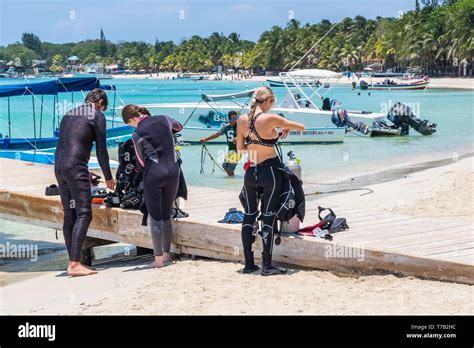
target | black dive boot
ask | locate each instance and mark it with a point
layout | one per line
(250, 265)
(267, 268)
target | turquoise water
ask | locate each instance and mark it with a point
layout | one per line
(451, 109)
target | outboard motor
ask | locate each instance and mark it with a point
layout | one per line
(363, 85)
(341, 119)
(402, 116)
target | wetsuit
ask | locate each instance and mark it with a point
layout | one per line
(262, 182)
(156, 155)
(79, 129)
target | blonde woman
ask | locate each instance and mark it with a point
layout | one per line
(257, 134)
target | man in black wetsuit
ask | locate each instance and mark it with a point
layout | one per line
(79, 129)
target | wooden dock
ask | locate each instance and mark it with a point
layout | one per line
(377, 242)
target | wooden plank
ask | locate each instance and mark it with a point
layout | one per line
(454, 248)
(434, 238)
(396, 229)
(463, 251)
(409, 237)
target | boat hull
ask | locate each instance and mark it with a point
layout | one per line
(114, 136)
(416, 86)
(324, 135)
(46, 157)
(201, 116)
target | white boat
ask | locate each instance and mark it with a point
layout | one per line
(191, 77)
(393, 81)
(279, 83)
(89, 73)
(302, 104)
(205, 117)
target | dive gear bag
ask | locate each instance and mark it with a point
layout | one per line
(129, 193)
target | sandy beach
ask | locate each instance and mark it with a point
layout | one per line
(436, 82)
(215, 287)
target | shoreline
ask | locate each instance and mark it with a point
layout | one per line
(435, 82)
(392, 174)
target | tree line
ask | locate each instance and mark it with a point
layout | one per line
(436, 36)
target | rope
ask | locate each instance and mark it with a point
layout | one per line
(34, 120)
(192, 113)
(343, 190)
(204, 152)
(370, 182)
(9, 120)
(341, 184)
(313, 47)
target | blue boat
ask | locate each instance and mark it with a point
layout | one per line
(114, 136)
(53, 87)
(46, 157)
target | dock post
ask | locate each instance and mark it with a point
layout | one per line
(87, 253)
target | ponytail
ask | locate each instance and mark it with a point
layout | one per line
(261, 95)
(253, 107)
(143, 111)
(132, 111)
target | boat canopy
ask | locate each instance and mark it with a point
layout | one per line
(230, 96)
(54, 86)
(314, 74)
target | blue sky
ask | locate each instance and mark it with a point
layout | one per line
(70, 21)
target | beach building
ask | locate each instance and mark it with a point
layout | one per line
(73, 63)
(39, 66)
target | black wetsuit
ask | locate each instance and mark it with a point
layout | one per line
(262, 183)
(79, 129)
(156, 155)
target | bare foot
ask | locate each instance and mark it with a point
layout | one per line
(155, 264)
(76, 269)
(158, 263)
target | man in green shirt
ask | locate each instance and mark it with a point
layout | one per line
(230, 131)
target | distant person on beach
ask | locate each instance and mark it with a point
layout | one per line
(157, 158)
(257, 135)
(232, 158)
(79, 129)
